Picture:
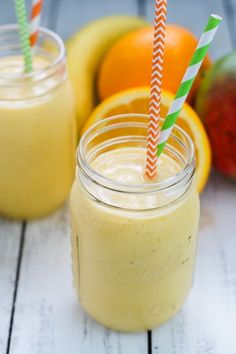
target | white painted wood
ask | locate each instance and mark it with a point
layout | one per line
(76, 13)
(194, 14)
(222, 43)
(230, 10)
(207, 324)
(7, 11)
(48, 318)
(9, 248)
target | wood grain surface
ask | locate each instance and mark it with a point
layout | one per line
(10, 234)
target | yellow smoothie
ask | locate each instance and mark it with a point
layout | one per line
(37, 140)
(133, 267)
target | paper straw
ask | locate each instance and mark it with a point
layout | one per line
(188, 79)
(156, 84)
(35, 21)
(21, 15)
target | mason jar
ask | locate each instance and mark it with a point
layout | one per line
(133, 240)
(37, 127)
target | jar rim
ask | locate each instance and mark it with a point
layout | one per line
(46, 71)
(99, 179)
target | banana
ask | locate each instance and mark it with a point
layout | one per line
(84, 54)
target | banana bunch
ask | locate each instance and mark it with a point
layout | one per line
(85, 51)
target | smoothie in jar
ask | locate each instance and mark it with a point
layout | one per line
(133, 241)
(37, 127)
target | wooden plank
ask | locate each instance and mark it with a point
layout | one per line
(194, 14)
(7, 12)
(9, 248)
(207, 322)
(48, 318)
(142, 8)
(76, 13)
(230, 10)
(222, 42)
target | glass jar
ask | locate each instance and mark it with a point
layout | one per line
(37, 127)
(133, 245)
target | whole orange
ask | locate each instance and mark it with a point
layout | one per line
(128, 62)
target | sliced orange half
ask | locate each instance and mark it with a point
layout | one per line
(136, 101)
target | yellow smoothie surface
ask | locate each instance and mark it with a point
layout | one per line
(127, 165)
(133, 268)
(37, 140)
(13, 67)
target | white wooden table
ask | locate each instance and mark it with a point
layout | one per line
(39, 313)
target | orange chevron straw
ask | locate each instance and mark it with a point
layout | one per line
(35, 21)
(156, 85)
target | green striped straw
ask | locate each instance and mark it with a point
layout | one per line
(188, 79)
(21, 15)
